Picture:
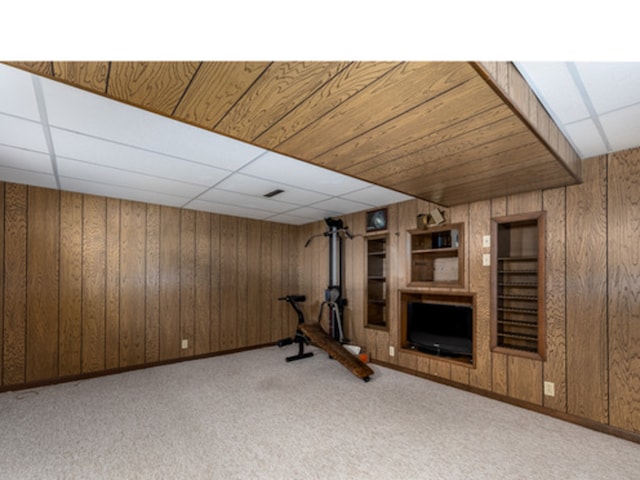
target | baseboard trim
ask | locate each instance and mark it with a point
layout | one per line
(113, 371)
(567, 417)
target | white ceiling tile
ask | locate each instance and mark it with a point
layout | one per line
(115, 191)
(14, 175)
(585, 138)
(622, 127)
(554, 86)
(303, 175)
(80, 111)
(341, 206)
(246, 201)
(25, 160)
(258, 187)
(17, 97)
(312, 213)
(225, 209)
(290, 219)
(93, 150)
(122, 178)
(611, 86)
(376, 196)
(21, 133)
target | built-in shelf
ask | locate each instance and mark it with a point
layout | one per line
(435, 256)
(376, 306)
(518, 284)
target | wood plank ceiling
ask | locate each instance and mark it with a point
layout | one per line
(446, 132)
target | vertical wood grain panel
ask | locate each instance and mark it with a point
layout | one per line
(525, 379)
(277, 307)
(499, 375)
(169, 283)
(587, 376)
(202, 330)
(254, 283)
(132, 283)
(555, 296)
(15, 284)
(241, 286)
(152, 286)
(266, 294)
(70, 284)
(43, 236)
(112, 316)
(215, 283)
(94, 281)
(285, 318)
(480, 282)
(624, 285)
(229, 282)
(187, 280)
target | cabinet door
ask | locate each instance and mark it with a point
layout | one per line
(517, 279)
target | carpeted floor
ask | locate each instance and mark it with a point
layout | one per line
(251, 415)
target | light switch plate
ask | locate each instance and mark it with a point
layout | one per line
(486, 259)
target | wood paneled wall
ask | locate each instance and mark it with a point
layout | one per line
(91, 284)
(592, 309)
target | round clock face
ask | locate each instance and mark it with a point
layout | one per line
(378, 220)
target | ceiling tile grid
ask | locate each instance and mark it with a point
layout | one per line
(595, 104)
(102, 147)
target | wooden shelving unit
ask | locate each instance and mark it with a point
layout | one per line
(376, 308)
(518, 285)
(435, 256)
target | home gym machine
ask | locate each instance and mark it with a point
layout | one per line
(333, 341)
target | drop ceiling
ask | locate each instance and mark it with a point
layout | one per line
(336, 137)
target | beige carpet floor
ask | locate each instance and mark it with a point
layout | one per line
(250, 415)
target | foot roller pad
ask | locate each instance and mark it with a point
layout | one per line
(318, 337)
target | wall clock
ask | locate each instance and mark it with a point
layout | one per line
(377, 220)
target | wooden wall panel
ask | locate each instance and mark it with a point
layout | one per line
(623, 288)
(187, 280)
(587, 362)
(93, 284)
(255, 283)
(94, 277)
(42, 283)
(277, 288)
(169, 283)
(203, 287)
(112, 323)
(216, 280)
(15, 284)
(241, 284)
(70, 358)
(266, 304)
(229, 282)
(132, 284)
(152, 287)
(555, 366)
(480, 282)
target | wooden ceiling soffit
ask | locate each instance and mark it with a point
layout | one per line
(445, 132)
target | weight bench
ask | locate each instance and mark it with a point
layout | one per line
(314, 334)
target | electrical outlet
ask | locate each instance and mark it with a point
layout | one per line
(549, 389)
(392, 351)
(185, 343)
(486, 259)
(486, 241)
